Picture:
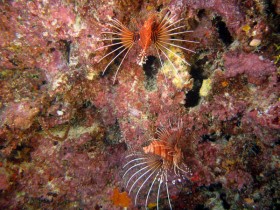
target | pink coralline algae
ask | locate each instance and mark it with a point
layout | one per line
(255, 67)
(4, 183)
(66, 128)
(239, 179)
(230, 10)
(19, 115)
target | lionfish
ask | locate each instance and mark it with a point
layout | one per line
(154, 32)
(160, 163)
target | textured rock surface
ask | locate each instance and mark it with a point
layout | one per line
(65, 129)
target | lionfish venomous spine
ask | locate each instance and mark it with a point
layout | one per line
(160, 34)
(160, 163)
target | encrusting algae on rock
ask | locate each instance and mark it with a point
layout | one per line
(120, 199)
(181, 77)
(206, 87)
(51, 83)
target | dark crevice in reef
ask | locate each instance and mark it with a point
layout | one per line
(151, 69)
(273, 17)
(66, 48)
(201, 13)
(159, 8)
(215, 187)
(14, 61)
(87, 104)
(223, 31)
(192, 97)
(200, 207)
(21, 153)
(225, 204)
(112, 134)
(214, 137)
(209, 137)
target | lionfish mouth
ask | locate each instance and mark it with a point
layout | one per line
(160, 163)
(154, 32)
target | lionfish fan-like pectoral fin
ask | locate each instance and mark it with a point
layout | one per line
(172, 29)
(184, 40)
(154, 169)
(166, 56)
(170, 19)
(116, 27)
(147, 163)
(175, 54)
(181, 32)
(133, 166)
(164, 20)
(113, 60)
(119, 26)
(149, 167)
(150, 189)
(123, 30)
(117, 22)
(110, 53)
(109, 39)
(175, 45)
(115, 76)
(133, 154)
(111, 32)
(161, 63)
(167, 190)
(159, 185)
(125, 48)
(133, 175)
(121, 36)
(133, 160)
(108, 45)
(173, 24)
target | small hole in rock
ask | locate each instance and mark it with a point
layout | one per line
(225, 204)
(223, 31)
(192, 97)
(201, 13)
(151, 69)
(159, 8)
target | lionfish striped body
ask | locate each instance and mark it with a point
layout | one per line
(153, 32)
(159, 164)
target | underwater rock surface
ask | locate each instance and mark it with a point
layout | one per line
(66, 128)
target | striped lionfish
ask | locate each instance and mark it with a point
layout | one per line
(160, 163)
(158, 33)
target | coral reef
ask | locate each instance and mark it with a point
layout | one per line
(66, 128)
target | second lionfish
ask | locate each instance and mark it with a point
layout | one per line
(159, 164)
